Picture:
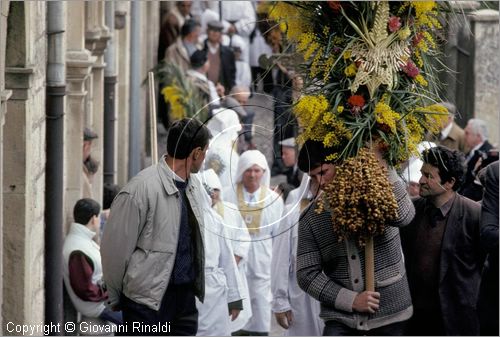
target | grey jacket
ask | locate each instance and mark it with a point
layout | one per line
(332, 271)
(139, 243)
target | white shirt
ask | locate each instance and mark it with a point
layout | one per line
(243, 74)
(446, 131)
(472, 151)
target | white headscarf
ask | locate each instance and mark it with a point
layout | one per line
(412, 172)
(250, 158)
(210, 178)
(224, 126)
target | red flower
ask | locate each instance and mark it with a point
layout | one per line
(411, 69)
(336, 6)
(417, 38)
(356, 100)
(394, 23)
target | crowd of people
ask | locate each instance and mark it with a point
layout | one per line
(218, 50)
(203, 242)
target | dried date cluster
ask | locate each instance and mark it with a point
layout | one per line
(360, 198)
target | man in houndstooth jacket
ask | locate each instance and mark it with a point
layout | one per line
(332, 271)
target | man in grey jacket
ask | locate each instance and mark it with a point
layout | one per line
(332, 271)
(152, 246)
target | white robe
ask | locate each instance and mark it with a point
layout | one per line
(224, 127)
(259, 259)
(223, 284)
(287, 294)
(243, 74)
(240, 241)
(242, 13)
(258, 47)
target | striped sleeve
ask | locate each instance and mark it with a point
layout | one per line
(310, 275)
(406, 210)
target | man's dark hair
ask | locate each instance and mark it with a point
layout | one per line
(198, 59)
(189, 27)
(186, 135)
(450, 163)
(109, 192)
(313, 154)
(85, 209)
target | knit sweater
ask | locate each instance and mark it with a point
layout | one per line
(333, 272)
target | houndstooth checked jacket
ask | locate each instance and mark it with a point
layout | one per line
(333, 272)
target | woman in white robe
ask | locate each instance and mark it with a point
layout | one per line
(295, 310)
(239, 238)
(223, 285)
(267, 205)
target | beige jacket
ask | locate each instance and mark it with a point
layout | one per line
(139, 243)
(455, 139)
(178, 55)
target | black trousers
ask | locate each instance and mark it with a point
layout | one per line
(177, 316)
(334, 328)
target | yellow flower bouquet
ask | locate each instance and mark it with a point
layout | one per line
(370, 77)
(183, 99)
(372, 67)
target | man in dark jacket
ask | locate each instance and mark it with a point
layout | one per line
(476, 139)
(222, 62)
(442, 250)
(488, 295)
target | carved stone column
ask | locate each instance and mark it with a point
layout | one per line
(122, 39)
(96, 40)
(79, 62)
(4, 96)
(79, 65)
(15, 194)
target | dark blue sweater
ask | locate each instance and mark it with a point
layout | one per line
(184, 271)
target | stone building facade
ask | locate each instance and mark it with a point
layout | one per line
(25, 52)
(87, 37)
(471, 54)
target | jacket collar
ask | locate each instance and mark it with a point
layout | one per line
(181, 49)
(167, 176)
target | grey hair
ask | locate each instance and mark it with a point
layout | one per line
(452, 109)
(478, 127)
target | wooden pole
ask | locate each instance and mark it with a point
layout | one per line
(369, 265)
(152, 112)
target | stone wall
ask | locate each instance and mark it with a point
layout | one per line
(485, 30)
(122, 36)
(24, 165)
(4, 96)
